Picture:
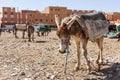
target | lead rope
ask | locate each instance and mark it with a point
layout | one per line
(67, 52)
(66, 59)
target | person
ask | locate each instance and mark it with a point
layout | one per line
(118, 29)
(0, 30)
(118, 32)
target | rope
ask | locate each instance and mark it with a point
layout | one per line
(92, 65)
(65, 66)
(67, 51)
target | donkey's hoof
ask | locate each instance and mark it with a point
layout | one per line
(99, 67)
(99, 62)
(29, 40)
(76, 68)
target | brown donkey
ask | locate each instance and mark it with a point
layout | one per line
(71, 27)
(30, 31)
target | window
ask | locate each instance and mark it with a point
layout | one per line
(5, 12)
(68, 14)
(40, 20)
(58, 9)
(51, 20)
(30, 14)
(36, 19)
(12, 13)
(59, 15)
(12, 19)
(51, 9)
(46, 20)
(55, 9)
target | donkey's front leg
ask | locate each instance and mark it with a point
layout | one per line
(23, 34)
(38, 33)
(15, 33)
(32, 36)
(77, 66)
(29, 37)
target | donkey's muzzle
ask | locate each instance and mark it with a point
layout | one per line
(62, 51)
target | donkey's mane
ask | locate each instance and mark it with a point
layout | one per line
(66, 20)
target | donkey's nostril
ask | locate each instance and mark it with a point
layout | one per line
(61, 51)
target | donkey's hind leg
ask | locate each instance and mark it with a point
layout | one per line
(33, 36)
(23, 34)
(118, 37)
(29, 37)
(38, 33)
(77, 66)
(15, 33)
(99, 42)
(84, 51)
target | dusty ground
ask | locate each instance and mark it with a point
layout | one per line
(40, 60)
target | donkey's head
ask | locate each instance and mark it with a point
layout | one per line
(63, 32)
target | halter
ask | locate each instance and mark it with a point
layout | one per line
(67, 48)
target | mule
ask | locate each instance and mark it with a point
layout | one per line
(70, 27)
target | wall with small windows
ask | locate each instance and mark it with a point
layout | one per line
(0, 19)
(10, 16)
(35, 17)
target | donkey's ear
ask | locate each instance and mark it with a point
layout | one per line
(73, 18)
(57, 20)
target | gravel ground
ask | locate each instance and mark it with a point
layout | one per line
(40, 60)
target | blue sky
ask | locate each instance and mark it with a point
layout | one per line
(99, 5)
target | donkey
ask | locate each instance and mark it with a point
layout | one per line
(19, 27)
(70, 27)
(23, 28)
(30, 31)
(0, 31)
(44, 30)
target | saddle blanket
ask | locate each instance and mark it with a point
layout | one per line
(9, 26)
(21, 26)
(96, 28)
(36, 28)
(93, 27)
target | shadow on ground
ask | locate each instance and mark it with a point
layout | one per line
(40, 41)
(111, 71)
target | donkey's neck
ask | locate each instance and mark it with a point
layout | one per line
(75, 29)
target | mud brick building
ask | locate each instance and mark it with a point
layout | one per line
(9, 15)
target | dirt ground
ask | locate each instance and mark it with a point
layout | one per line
(40, 60)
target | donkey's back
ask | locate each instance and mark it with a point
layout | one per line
(93, 16)
(21, 26)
